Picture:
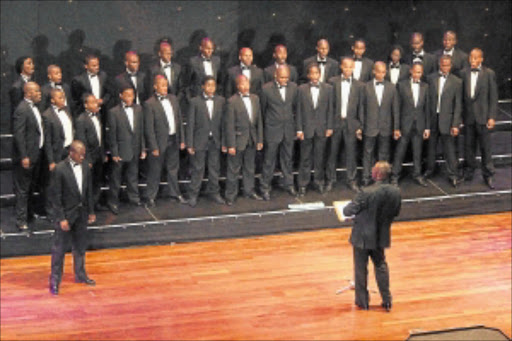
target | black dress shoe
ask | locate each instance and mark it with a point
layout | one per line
(23, 227)
(363, 306)
(386, 306)
(428, 174)
(468, 176)
(229, 202)
(420, 181)
(100, 208)
(136, 203)
(85, 280)
(181, 200)
(254, 196)
(291, 190)
(192, 202)
(113, 208)
(150, 203)
(302, 191)
(328, 187)
(353, 186)
(54, 288)
(490, 182)
(454, 182)
(265, 196)
(218, 199)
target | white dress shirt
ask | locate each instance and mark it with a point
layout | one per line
(442, 81)
(246, 72)
(474, 79)
(66, 125)
(379, 91)
(415, 87)
(393, 74)
(129, 114)
(345, 94)
(169, 113)
(248, 105)
(97, 126)
(315, 91)
(167, 71)
(449, 53)
(209, 105)
(37, 116)
(207, 65)
(282, 91)
(77, 171)
(358, 65)
(95, 84)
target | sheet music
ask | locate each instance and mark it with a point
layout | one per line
(338, 207)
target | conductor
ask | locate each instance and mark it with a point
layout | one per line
(374, 209)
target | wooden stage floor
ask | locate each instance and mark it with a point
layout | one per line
(445, 273)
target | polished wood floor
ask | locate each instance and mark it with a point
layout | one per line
(445, 273)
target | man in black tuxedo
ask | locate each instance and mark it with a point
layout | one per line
(418, 55)
(246, 68)
(28, 142)
(25, 69)
(374, 209)
(362, 66)
(170, 70)
(165, 138)
(445, 92)
(459, 57)
(203, 65)
(89, 130)
(380, 117)
(72, 204)
(280, 55)
(279, 107)
(414, 123)
(55, 82)
(244, 136)
(133, 78)
(348, 109)
(480, 104)
(204, 140)
(125, 137)
(328, 66)
(93, 81)
(314, 125)
(397, 71)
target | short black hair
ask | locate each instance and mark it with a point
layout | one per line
(209, 78)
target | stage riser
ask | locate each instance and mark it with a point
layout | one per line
(266, 223)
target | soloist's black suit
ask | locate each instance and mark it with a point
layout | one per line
(126, 142)
(374, 208)
(156, 128)
(204, 134)
(68, 203)
(243, 132)
(449, 116)
(279, 122)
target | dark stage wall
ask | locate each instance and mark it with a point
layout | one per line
(63, 31)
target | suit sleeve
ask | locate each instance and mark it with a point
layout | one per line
(427, 108)
(330, 108)
(81, 135)
(180, 125)
(357, 205)
(493, 95)
(260, 126)
(228, 85)
(90, 197)
(300, 112)
(55, 196)
(76, 92)
(16, 96)
(48, 140)
(191, 119)
(19, 125)
(362, 109)
(111, 131)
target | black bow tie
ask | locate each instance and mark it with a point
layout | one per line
(91, 114)
(281, 86)
(356, 59)
(315, 85)
(58, 84)
(417, 56)
(345, 79)
(92, 76)
(379, 83)
(245, 96)
(75, 164)
(128, 106)
(208, 98)
(207, 60)
(167, 66)
(443, 75)
(61, 109)
(475, 70)
(245, 67)
(321, 61)
(394, 66)
(132, 74)
(161, 98)
(415, 82)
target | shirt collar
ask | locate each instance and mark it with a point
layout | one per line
(162, 63)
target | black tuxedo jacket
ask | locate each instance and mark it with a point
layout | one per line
(81, 84)
(123, 141)
(54, 134)
(65, 199)
(374, 208)
(460, 60)
(46, 97)
(450, 110)
(332, 68)
(199, 124)
(271, 69)
(381, 119)
(483, 106)
(366, 70)
(239, 128)
(142, 91)
(86, 132)
(404, 73)
(26, 132)
(256, 81)
(429, 63)
(312, 120)
(354, 105)
(279, 115)
(195, 75)
(176, 78)
(156, 125)
(16, 93)
(410, 114)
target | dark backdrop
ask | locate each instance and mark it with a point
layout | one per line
(63, 31)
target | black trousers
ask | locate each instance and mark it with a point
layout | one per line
(383, 145)
(169, 159)
(449, 151)
(285, 150)
(78, 236)
(128, 170)
(25, 182)
(312, 151)
(209, 158)
(416, 138)
(350, 143)
(243, 160)
(361, 275)
(97, 179)
(474, 133)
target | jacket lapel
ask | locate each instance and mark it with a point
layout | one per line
(71, 175)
